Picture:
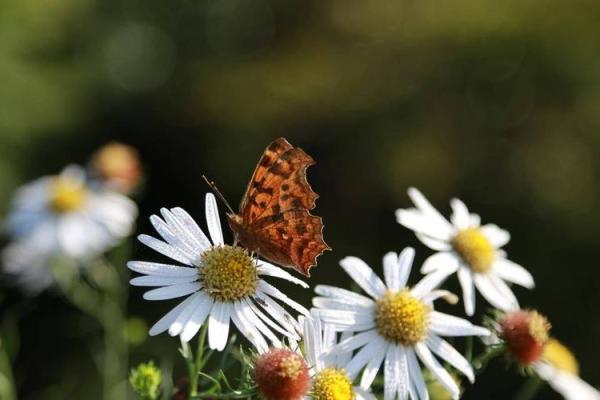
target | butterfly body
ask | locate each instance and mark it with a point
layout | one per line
(274, 219)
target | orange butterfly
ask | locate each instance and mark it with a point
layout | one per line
(274, 219)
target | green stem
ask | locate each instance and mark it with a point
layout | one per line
(530, 388)
(222, 396)
(469, 349)
(7, 382)
(199, 361)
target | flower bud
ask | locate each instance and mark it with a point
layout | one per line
(281, 374)
(525, 333)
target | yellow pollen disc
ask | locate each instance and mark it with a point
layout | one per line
(332, 384)
(67, 195)
(539, 326)
(402, 318)
(475, 249)
(560, 357)
(291, 367)
(228, 273)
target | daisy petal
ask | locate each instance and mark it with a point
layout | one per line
(498, 237)
(390, 376)
(165, 270)
(364, 276)
(391, 270)
(165, 322)
(492, 294)
(460, 214)
(372, 368)
(361, 358)
(402, 372)
(265, 268)
(182, 319)
(416, 376)
(431, 281)
(425, 206)
(434, 244)
(196, 320)
(445, 351)
(354, 342)
(212, 220)
(438, 261)
(218, 325)
(191, 226)
(512, 272)
(405, 261)
(437, 370)
(344, 295)
(172, 292)
(465, 278)
(276, 293)
(448, 325)
(165, 249)
(151, 280)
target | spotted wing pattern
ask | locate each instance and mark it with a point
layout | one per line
(274, 218)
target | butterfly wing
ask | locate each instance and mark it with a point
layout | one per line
(274, 215)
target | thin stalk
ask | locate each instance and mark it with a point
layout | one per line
(7, 382)
(199, 361)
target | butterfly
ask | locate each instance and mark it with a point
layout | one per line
(274, 219)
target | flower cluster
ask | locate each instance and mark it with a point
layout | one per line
(349, 339)
(75, 215)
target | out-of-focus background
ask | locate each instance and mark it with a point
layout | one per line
(493, 102)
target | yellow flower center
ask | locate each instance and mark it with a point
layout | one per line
(66, 195)
(402, 318)
(539, 326)
(228, 273)
(332, 384)
(475, 249)
(291, 367)
(560, 357)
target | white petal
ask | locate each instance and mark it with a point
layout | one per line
(157, 269)
(246, 328)
(498, 237)
(361, 358)
(344, 295)
(354, 342)
(183, 232)
(278, 313)
(345, 318)
(509, 271)
(191, 226)
(493, 294)
(265, 268)
(197, 319)
(448, 325)
(474, 220)
(171, 292)
(437, 370)
(390, 374)
(179, 323)
(445, 351)
(276, 293)
(436, 294)
(391, 270)
(364, 276)
(403, 373)
(434, 244)
(338, 304)
(218, 325)
(570, 386)
(460, 214)
(425, 206)
(151, 280)
(465, 278)
(163, 324)
(372, 368)
(258, 324)
(362, 394)
(424, 225)
(416, 376)
(289, 333)
(431, 281)
(212, 220)
(165, 249)
(171, 237)
(438, 261)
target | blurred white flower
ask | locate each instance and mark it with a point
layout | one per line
(467, 248)
(397, 327)
(328, 370)
(222, 283)
(62, 216)
(559, 368)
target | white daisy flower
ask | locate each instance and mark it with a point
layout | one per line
(466, 247)
(328, 370)
(396, 327)
(222, 283)
(63, 216)
(559, 368)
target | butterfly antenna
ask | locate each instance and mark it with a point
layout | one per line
(218, 193)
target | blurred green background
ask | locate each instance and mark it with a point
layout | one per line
(493, 102)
